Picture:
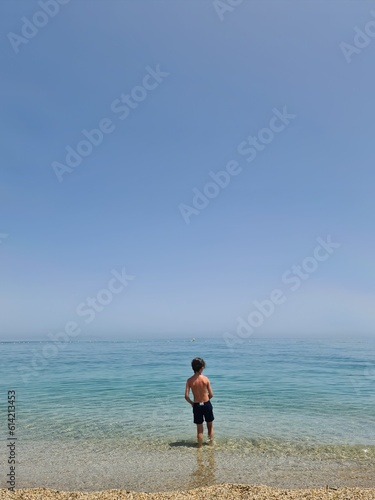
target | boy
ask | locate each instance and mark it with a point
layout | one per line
(202, 392)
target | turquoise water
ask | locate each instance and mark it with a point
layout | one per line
(297, 391)
(277, 398)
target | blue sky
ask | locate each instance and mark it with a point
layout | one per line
(120, 207)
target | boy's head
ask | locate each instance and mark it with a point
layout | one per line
(197, 364)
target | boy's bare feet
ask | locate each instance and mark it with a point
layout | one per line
(210, 440)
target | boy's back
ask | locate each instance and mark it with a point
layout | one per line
(201, 388)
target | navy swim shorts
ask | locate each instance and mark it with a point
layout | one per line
(201, 410)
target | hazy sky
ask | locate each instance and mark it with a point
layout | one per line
(181, 89)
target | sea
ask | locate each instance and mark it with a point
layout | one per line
(97, 415)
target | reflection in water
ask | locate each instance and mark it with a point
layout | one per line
(204, 474)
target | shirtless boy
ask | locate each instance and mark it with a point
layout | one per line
(202, 392)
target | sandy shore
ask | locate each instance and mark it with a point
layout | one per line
(221, 491)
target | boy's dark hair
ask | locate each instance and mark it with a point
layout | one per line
(197, 364)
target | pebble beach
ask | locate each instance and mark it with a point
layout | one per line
(220, 491)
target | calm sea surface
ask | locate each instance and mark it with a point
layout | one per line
(281, 399)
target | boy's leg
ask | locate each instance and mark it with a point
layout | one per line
(209, 418)
(200, 434)
(210, 429)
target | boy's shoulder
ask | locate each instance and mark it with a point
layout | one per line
(194, 377)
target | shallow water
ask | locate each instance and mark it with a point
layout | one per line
(279, 406)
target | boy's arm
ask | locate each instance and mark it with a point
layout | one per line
(209, 389)
(187, 390)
